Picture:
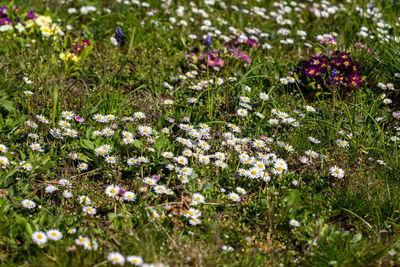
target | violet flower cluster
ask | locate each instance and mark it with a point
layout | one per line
(6, 16)
(79, 46)
(334, 69)
(217, 58)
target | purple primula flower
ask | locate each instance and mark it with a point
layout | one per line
(327, 41)
(347, 64)
(344, 56)
(252, 42)
(211, 61)
(245, 58)
(235, 51)
(3, 11)
(85, 43)
(312, 72)
(31, 15)
(5, 21)
(220, 62)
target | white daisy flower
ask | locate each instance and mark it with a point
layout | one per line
(39, 238)
(116, 258)
(336, 172)
(29, 204)
(54, 235)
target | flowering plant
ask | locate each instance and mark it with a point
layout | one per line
(15, 20)
(74, 51)
(331, 72)
(217, 58)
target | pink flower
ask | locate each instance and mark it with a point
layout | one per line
(121, 191)
(79, 119)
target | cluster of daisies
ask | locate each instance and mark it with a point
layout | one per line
(117, 258)
(41, 238)
(195, 149)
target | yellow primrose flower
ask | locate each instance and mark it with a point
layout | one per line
(73, 57)
(43, 21)
(64, 56)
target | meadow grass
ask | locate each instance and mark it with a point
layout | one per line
(151, 146)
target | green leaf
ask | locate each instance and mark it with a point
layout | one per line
(296, 76)
(68, 41)
(356, 238)
(89, 132)
(48, 165)
(43, 220)
(28, 228)
(193, 175)
(85, 52)
(130, 128)
(162, 142)
(137, 144)
(294, 198)
(7, 104)
(1, 122)
(87, 144)
(218, 45)
(208, 186)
